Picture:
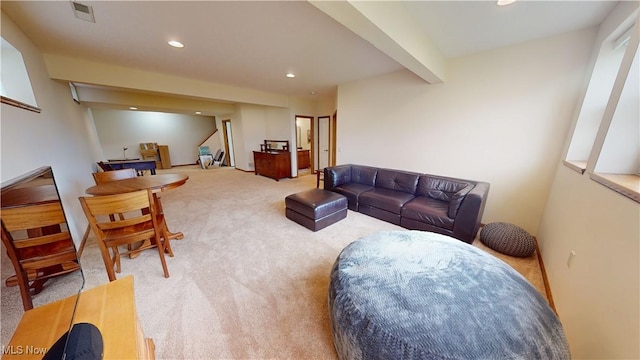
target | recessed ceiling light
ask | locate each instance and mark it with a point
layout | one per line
(133, 108)
(313, 93)
(198, 112)
(291, 75)
(505, 2)
(176, 44)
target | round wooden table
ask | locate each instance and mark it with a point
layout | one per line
(156, 183)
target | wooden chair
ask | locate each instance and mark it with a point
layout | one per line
(113, 175)
(142, 222)
(104, 166)
(319, 178)
(39, 246)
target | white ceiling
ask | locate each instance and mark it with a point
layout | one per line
(254, 44)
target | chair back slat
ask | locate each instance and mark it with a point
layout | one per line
(113, 175)
(127, 222)
(32, 216)
(41, 240)
(51, 260)
(120, 203)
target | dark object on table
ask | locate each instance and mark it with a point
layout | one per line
(83, 342)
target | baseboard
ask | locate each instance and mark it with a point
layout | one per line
(547, 288)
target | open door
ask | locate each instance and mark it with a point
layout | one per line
(304, 146)
(323, 142)
(228, 143)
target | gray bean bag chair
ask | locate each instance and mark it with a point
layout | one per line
(421, 295)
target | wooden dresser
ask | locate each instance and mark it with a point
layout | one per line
(273, 164)
(110, 307)
(304, 160)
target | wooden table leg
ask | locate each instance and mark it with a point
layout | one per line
(147, 243)
(172, 235)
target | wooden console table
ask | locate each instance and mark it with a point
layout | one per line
(110, 307)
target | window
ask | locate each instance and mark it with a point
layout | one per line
(606, 139)
(618, 163)
(15, 86)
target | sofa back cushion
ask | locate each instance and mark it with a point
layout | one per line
(444, 189)
(397, 180)
(363, 175)
(336, 175)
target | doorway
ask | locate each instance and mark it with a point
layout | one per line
(323, 142)
(228, 143)
(304, 144)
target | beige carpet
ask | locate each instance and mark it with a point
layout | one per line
(246, 283)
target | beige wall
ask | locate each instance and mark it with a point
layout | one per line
(119, 128)
(597, 293)
(501, 117)
(61, 136)
(597, 296)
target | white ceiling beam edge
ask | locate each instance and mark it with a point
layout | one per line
(94, 73)
(391, 29)
(107, 98)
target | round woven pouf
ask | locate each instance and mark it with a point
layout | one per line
(508, 239)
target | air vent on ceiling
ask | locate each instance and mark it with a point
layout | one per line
(83, 12)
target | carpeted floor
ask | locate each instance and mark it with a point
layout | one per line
(246, 282)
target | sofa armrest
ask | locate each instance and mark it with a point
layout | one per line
(467, 222)
(335, 176)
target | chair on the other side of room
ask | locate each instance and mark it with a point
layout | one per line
(113, 175)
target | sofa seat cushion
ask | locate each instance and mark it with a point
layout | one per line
(428, 210)
(352, 191)
(389, 200)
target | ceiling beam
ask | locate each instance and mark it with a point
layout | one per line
(392, 29)
(100, 97)
(93, 73)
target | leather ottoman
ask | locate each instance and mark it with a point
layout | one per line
(316, 209)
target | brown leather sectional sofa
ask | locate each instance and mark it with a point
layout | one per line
(414, 201)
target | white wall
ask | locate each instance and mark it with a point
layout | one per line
(597, 298)
(182, 133)
(501, 117)
(597, 294)
(61, 136)
(252, 124)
